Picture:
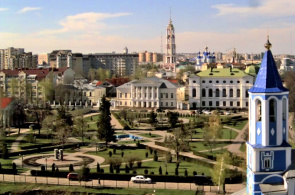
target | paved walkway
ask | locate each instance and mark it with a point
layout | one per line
(115, 123)
(15, 145)
(237, 142)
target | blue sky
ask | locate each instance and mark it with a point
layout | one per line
(91, 26)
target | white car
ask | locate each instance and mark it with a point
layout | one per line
(227, 113)
(141, 179)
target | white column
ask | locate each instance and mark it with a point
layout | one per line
(264, 123)
(131, 94)
(158, 93)
(153, 93)
(148, 93)
(279, 120)
(142, 93)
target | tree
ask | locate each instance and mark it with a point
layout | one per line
(105, 131)
(64, 124)
(177, 141)
(289, 80)
(213, 130)
(172, 119)
(47, 89)
(153, 118)
(48, 123)
(19, 115)
(80, 125)
(221, 171)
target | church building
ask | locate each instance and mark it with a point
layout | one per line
(269, 169)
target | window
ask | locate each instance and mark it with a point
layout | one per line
(210, 81)
(145, 95)
(238, 81)
(194, 81)
(203, 81)
(231, 103)
(224, 81)
(166, 95)
(267, 163)
(272, 110)
(194, 92)
(161, 95)
(238, 103)
(171, 95)
(171, 103)
(217, 93)
(224, 103)
(217, 103)
(125, 103)
(120, 95)
(258, 110)
(210, 103)
(203, 92)
(210, 93)
(238, 92)
(166, 103)
(246, 104)
(203, 103)
(224, 93)
(231, 93)
(120, 103)
(247, 94)
(247, 81)
(217, 81)
(161, 103)
(231, 81)
(125, 95)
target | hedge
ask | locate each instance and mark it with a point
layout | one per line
(8, 171)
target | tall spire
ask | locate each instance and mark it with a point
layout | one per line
(170, 14)
(267, 45)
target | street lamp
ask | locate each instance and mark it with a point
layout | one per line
(22, 159)
(45, 161)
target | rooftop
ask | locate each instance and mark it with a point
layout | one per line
(224, 72)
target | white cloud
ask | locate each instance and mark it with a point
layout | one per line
(28, 9)
(85, 22)
(3, 9)
(266, 7)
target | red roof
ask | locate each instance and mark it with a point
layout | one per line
(118, 81)
(5, 102)
(99, 83)
(173, 80)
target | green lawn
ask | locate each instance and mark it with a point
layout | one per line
(215, 152)
(229, 134)
(239, 125)
(132, 141)
(199, 146)
(243, 147)
(94, 118)
(18, 188)
(152, 135)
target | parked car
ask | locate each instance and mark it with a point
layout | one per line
(227, 113)
(73, 176)
(141, 179)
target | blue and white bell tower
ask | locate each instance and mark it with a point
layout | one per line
(268, 151)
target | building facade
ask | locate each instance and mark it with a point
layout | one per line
(151, 92)
(219, 88)
(170, 51)
(268, 150)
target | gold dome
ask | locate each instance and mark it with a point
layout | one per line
(267, 45)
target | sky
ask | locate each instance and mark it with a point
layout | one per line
(96, 26)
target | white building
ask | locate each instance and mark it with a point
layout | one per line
(223, 88)
(287, 65)
(151, 92)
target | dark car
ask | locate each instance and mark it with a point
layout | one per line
(73, 176)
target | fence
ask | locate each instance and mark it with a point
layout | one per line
(115, 184)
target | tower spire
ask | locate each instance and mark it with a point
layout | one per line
(267, 45)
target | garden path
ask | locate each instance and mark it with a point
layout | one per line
(15, 144)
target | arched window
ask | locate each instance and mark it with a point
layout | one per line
(284, 109)
(194, 92)
(210, 93)
(231, 81)
(224, 93)
(217, 93)
(203, 81)
(194, 81)
(231, 93)
(217, 81)
(210, 81)
(238, 93)
(272, 110)
(203, 92)
(194, 105)
(258, 110)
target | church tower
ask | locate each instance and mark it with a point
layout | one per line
(268, 151)
(170, 56)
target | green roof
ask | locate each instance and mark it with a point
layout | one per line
(224, 72)
(252, 69)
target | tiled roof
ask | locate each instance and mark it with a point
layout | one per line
(5, 102)
(268, 79)
(98, 83)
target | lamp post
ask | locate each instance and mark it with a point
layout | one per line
(45, 161)
(22, 159)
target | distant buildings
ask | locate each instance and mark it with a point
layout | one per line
(206, 57)
(149, 57)
(12, 58)
(287, 64)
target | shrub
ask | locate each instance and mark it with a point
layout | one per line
(134, 172)
(71, 168)
(126, 169)
(195, 173)
(5, 151)
(53, 167)
(160, 170)
(122, 154)
(177, 164)
(169, 157)
(139, 163)
(117, 169)
(155, 157)
(155, 152)
(114, 150)
(166, 173)
(130, 160)
(111, 168)
(152, 173)
(0, 166)
(115, 162)
(185, 173)
(151, 151)
(176, 171)
(33, 172)
(102, 170)
(110, 153)
(138, 144)
(42, 168)
(146, 171)
(56, 170)
(146, 154)
(13, 166)
(97, 167)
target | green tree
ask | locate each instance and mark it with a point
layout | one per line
(213, 130)
(48, 123)
(64, 125)
(153, 118)
(221, 171)
(47, 89)
(172, 118)
(19, 115)
(104, 128)
(80, 125)
(289, 80)
(13, 86)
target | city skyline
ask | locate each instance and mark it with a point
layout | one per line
(106, 26)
